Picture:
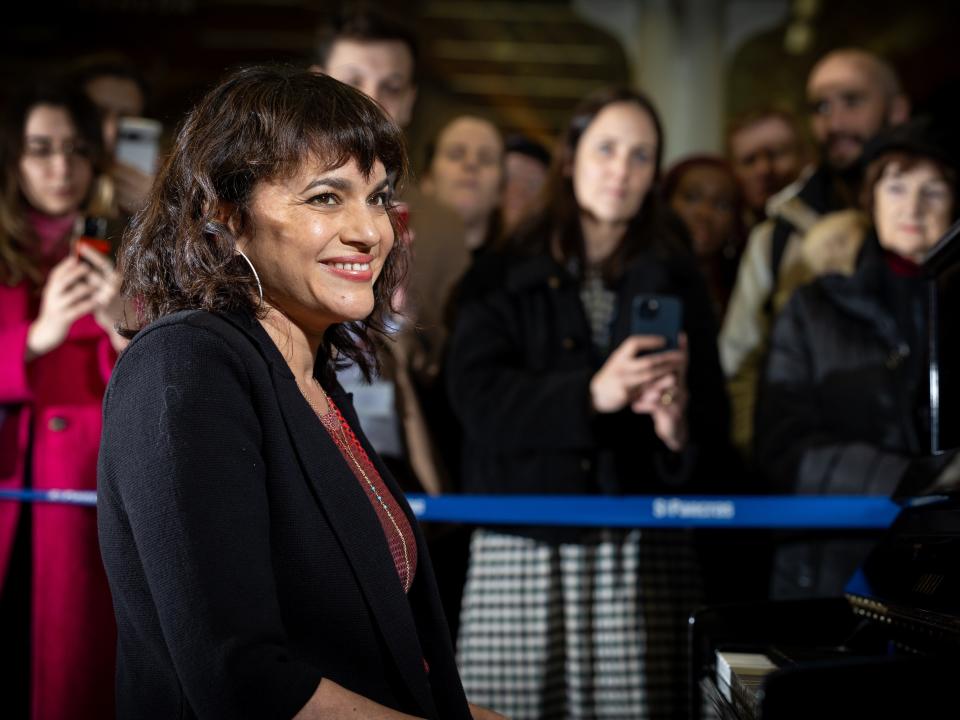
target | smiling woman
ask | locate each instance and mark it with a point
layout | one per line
(272, 163)
(319, 239)
(262, 560)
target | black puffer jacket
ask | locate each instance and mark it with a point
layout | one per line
(519, 370)
(842, 406)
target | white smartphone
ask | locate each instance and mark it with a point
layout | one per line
(138, 143)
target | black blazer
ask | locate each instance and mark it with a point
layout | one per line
(245, 560)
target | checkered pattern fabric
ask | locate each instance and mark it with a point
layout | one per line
(595, 629)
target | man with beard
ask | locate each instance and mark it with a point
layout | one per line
(852, 95)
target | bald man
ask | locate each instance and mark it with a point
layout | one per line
(852, 95)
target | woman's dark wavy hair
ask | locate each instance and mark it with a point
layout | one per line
(258, 124)
(18, 246)
(556, 228)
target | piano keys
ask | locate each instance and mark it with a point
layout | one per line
(890, 647)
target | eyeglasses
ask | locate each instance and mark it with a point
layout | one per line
(44, 150)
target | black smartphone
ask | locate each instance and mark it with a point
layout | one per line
(660, 315)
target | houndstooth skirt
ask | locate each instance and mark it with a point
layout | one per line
(593, 629)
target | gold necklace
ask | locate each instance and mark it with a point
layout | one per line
(373, 488)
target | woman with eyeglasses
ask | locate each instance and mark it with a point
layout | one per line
(59, 303)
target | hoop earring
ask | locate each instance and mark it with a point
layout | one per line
(255, 276)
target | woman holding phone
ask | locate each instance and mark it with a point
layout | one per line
(558, 395)
(58, 308)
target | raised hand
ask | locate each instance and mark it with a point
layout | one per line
(653, 383)
(67, 296)
(665, 400)
(109, 304)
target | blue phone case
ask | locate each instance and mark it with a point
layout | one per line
(660, 315)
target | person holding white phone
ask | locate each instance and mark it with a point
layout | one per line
(119, 91)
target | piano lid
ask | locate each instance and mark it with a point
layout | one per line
(913, 575)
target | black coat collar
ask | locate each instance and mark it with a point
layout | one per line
(820, 191)
(863, 295)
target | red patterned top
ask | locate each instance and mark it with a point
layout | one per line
(396, 527)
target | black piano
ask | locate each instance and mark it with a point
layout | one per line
(890, 647)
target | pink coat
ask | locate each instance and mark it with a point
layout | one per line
(55, 403)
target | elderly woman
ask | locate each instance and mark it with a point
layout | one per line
(59, 302)
(844, 401)
(558, 395)
(263, 562)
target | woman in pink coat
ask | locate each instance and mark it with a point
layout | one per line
(58, 308)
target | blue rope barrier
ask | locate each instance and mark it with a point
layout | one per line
(641, 511)
(68, 497)
(659, 511)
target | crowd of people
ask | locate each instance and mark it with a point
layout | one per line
(289, 330)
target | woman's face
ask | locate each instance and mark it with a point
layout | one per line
(704, 200)
(55, 167)
(524, 181)
(319, 240)
(467, 169)
(911, 209)
(614, 163)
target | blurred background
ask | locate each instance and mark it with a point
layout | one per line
(522, 64)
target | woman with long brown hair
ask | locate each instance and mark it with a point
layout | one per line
(58, 309)
(559, 395)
